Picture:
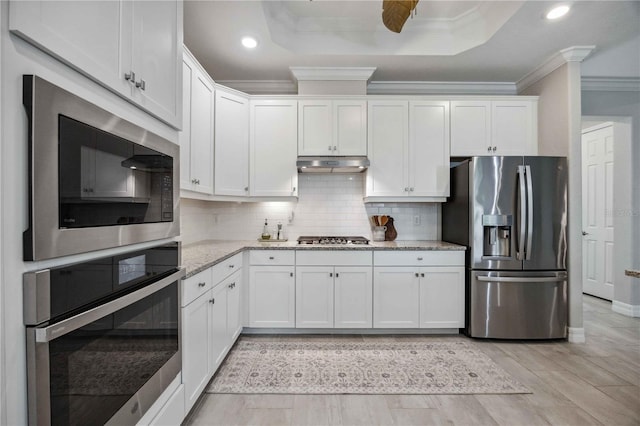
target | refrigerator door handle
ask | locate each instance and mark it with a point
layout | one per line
(521, 213)
(521, 279)
(529, 212)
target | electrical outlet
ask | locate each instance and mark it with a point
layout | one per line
(416, 220)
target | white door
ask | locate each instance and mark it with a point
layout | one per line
(314, 128)
(597, 209)
(442, 297)
(201, 149)
(512, 128)
(314, 296)
(353, 289)
(470, 128)
(350, 127)
(234, 306)
(219, 337)
(184, 137)
(396, 297)
(272, 296)
(196, 347)
(231, 144)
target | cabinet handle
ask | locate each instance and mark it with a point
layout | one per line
(271, 257)
(293, 191)
(494, 149)
(331, 274)
(488, 149)
(422, 274)
(130, 77)
(141, 84)
(201, 284)
(290, 274)
(411, 189)
(232, 285)
(420, 258)
(337, 275)
(231, 266)
(406, 189)
(335, 148)
(212, 301)
(329, 147)
(417, 275)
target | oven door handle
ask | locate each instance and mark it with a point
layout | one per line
(47, 334)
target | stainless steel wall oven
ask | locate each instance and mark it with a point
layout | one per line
(103, 337)
(95, 180)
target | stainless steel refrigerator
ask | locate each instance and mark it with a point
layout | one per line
(511, 213)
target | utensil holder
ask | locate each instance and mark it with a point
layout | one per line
(378, 233)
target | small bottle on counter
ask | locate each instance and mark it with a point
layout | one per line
(265, 231)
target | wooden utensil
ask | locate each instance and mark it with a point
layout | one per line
(384, 220)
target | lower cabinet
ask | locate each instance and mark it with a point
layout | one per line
(333, 297)
(396, 301)
(272, 296)
(210, 325)
(442, 297)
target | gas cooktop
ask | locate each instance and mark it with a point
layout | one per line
(333, 240)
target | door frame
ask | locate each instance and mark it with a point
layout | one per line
(623, 207)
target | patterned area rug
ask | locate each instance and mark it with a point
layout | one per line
(350, 366)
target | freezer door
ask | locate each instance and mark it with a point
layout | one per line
(494, 216)
(525, 305)
(546, 236)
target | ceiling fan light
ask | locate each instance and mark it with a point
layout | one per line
(557, 12)
(249, 42)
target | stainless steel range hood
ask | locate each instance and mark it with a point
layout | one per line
(332, 164)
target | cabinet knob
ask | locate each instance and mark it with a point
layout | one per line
(417, 275)
(293, 190)
(494, 149)
(212, 301)
(231, 266)
(337, 275)
(141, 84)
(201, 284)
(246, 188)
(130, 77)
(331, 274)
(290, 274)
(329, 147)
(411, 189)
(271, 257)
(335, 148)
(488, 149)
(232, 285)
(422, 274)
(406, 189)
(420, 258)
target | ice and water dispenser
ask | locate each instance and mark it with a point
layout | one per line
(497, 235)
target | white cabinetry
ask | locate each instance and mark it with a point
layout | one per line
(494, 127)
(196, 137)
(272, 288)
(273, 137)
(408, 145)
(114, 43)
(231, 143)
(333, 289)
(416, 289)
(210, 323)
(332, 127)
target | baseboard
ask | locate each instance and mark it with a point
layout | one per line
(576, 335)
(350, 331)
(625, 309)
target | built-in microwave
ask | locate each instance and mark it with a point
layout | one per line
(96, 180)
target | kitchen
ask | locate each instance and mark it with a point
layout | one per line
(200, 220)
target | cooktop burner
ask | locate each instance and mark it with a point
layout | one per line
(333, 240)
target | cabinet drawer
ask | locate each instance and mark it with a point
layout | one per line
(272, 257)
(227, 267)
(334, 257)
(418, 258)
(196, 285)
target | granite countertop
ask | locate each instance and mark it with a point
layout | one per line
(202, 255)
(632, 273)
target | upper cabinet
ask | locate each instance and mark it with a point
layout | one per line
(273, 140)
(494, 127)
(132, 48)
(332, 127)
(231, 143)
(196, 137)
(409, 150)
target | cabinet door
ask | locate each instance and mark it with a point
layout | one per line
(349, 127)
(184, 137)
(388, 125)
(429, 148)
(442, 297)
(219, 337)
(353, 297)
(231, 144)
(234, 307)
(273, 148)
(512, 130)
(272, 296)
(156, 56)
(396, 302)
(470, 128)
(314, 296)
(315, 128)
(85, 35)
(202, 109)
(196, 348)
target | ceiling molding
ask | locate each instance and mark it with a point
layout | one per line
(332, 73)
(440, 88)
(570, 54)
(262, 87)
(611, 84)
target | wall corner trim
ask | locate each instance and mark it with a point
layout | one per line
(576, 335)
(625, 309)
(570, 54)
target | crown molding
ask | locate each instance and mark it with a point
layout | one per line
(332, 73)
(611, 84)
(440, 88)
(570, 54)
(262, 87)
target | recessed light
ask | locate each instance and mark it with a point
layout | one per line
(249, 42)
(557, 12)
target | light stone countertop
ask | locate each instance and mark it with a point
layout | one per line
(199, 256)
(632, 273)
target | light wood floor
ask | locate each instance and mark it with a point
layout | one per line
(596, 383)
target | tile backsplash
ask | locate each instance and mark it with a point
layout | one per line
(328, 204)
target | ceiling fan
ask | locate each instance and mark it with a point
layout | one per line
(396, 12)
